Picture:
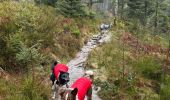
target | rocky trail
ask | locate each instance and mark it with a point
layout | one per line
(76, 65)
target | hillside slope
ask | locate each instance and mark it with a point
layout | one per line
(132, 67)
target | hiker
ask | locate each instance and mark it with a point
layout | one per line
(59, 77)
(52, 77)
(105, 26)
(80, 88)
(61, 74)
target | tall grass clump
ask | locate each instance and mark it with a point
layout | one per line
(149, 67)
(31, 90)
(165, 89)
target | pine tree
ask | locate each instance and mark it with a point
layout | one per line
(136, 9)
(150, 13)
(121, 4)
(70, 8)
(91, 2)
(46, 2)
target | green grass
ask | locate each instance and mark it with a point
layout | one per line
(29, 24)
(23, 89)
(142, 73)
(149, 67)
(9, 90)
(165, 89)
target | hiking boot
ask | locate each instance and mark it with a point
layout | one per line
(53, 96)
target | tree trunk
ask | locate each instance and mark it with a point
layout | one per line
(116, 8)
(146, 10)
(156, 15)
(90, 4)
(122, 8)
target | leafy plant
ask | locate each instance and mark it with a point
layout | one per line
(165, 89)
(149, 67)
(31, 91)
(70, 8)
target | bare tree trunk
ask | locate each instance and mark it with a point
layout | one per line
(116, 8)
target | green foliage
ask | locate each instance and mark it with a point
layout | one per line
(46, 2)
(149, 67)
(31, 91)
(116, 87)
(108, 89)
(70, 8)
(140, 9)
(75, 31)
(8, 89)
(165, 92)
(31, 24)
(29, 56)
(15, 42)
(152, 14)
(28, 33)
(22, 25)
(139, 79)
(92, 14)
(165, 89)
(27, 90)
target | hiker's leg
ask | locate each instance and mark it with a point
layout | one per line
(89, 94)
(52, 78)
(54, 90)
(67, 85)
(57, 90)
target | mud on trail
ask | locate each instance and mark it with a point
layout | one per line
(76, 65)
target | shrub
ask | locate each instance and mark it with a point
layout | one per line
(165, 89)
(149, 67)
(31, 91)
(92, 15)
(29, 57)
(75, 31)
(73, 8)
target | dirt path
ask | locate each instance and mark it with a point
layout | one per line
(76, 64)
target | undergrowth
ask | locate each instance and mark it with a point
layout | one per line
(31, 36)
(125, 73)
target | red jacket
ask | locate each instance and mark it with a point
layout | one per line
(60, 68)
(83, 85)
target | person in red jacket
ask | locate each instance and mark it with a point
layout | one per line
(59, 77)
(61, 74)
(84, 87)
(81, 87)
